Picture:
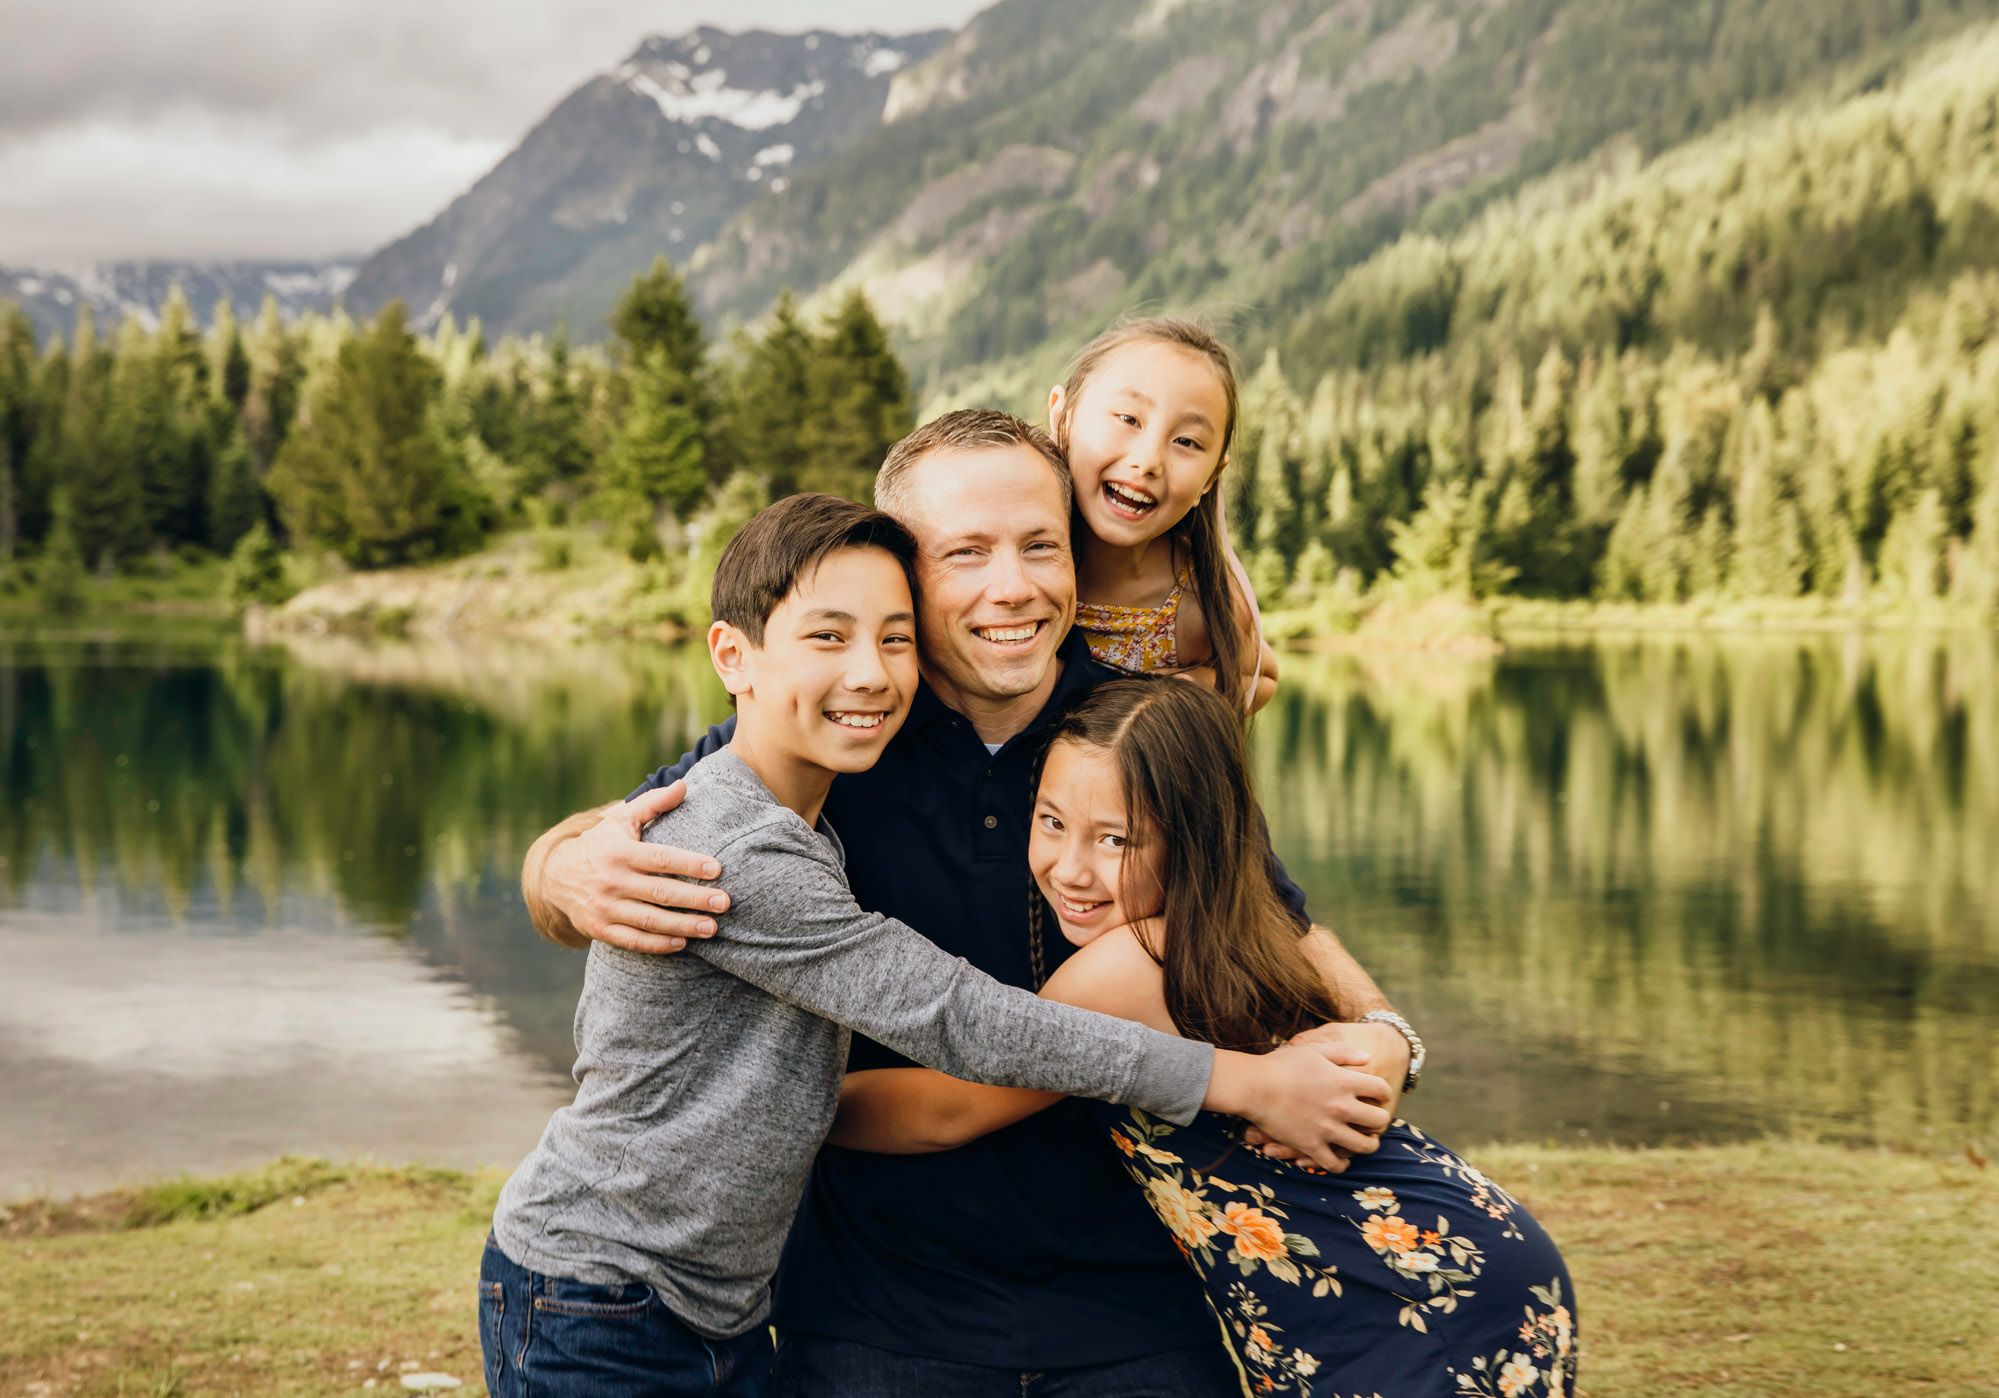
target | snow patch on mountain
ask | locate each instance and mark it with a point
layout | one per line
(686, 96)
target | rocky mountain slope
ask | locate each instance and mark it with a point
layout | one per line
(1060, 160)
(114, 290)
(651, 157)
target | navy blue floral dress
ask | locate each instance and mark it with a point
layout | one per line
(1409, 1275)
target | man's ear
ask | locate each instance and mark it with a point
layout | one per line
(730, 650)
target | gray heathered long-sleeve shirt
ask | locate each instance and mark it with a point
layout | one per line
(706, 1081)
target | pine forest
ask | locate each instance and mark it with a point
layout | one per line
(1758, 365)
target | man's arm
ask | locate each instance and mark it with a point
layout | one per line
(1353, 989)
(590, 877)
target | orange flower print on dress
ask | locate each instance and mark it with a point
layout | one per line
(1391, 1234)
(1123, 1143)
(1183, 1212)
(1256, 1233)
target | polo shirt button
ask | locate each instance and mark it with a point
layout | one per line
(992, 822)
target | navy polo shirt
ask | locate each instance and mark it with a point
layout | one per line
(1030, 1248)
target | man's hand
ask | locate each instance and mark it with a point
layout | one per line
(1303, 1096)
(592, 878)
(1380, 1046)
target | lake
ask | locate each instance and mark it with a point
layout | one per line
(261, 897)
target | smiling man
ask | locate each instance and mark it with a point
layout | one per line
(1026, 1261)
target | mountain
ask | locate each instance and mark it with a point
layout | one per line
(114, 290)
(1058, 161)
(652, 157)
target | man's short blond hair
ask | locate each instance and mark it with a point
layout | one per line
(965, 430)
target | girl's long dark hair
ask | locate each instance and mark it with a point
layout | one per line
(1201, 535)
(1236, 976)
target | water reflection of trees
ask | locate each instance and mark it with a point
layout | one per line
(1761, 867)
(358, 771)
(1766, 864)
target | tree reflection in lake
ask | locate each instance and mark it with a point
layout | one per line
(1729, 883)
(1649, 889)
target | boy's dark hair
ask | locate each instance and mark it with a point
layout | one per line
(783, 543)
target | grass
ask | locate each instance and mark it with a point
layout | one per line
(1736, 1271)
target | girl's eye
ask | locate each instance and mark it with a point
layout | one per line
(1189, 443)
(1126, 418)
(1116, 842)
(898, 640)
(1051, 824)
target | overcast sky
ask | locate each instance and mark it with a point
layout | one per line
(305, 128)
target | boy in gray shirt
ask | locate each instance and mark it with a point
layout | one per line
(632, 1252)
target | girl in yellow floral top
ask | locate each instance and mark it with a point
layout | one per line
(1145, 415)
(1409, 1275)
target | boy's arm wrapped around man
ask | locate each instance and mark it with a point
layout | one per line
(796, 932)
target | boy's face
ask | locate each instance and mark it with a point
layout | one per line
(837, 669)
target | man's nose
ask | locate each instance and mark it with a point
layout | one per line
(1008, 581)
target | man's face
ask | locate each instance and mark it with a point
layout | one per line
(994, 576)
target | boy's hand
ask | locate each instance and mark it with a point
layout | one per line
(1309, 1096)
(611, 886)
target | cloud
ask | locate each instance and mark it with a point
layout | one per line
(216, 128)
(193, 184)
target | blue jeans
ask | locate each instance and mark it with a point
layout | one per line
(809, 1366)
(550, 1337)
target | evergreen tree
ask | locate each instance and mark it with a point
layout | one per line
(1977, 581)
(277, 373)
(233, 372)
(60, 576)
(771, 402)
(860, 403)
(257, 570)
(657, 461)
(21, 422)
(235, 501)
(655, 317)
(100, 478)
(561, 454)
(365, 472)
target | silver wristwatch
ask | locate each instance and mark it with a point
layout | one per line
(1402, 1027)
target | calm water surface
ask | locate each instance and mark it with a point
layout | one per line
(257, 898)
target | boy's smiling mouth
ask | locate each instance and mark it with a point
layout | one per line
(858, 718)
(1128, 501)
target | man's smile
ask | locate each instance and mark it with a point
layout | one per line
(1014, 636)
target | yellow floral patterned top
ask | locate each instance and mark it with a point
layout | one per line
(1138, 639)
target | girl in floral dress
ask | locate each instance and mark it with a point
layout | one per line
(1146, 415)
(1410, 1274)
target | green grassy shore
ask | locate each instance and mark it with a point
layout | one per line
(1751, 1270)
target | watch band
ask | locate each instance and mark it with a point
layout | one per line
(1402, 1026)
